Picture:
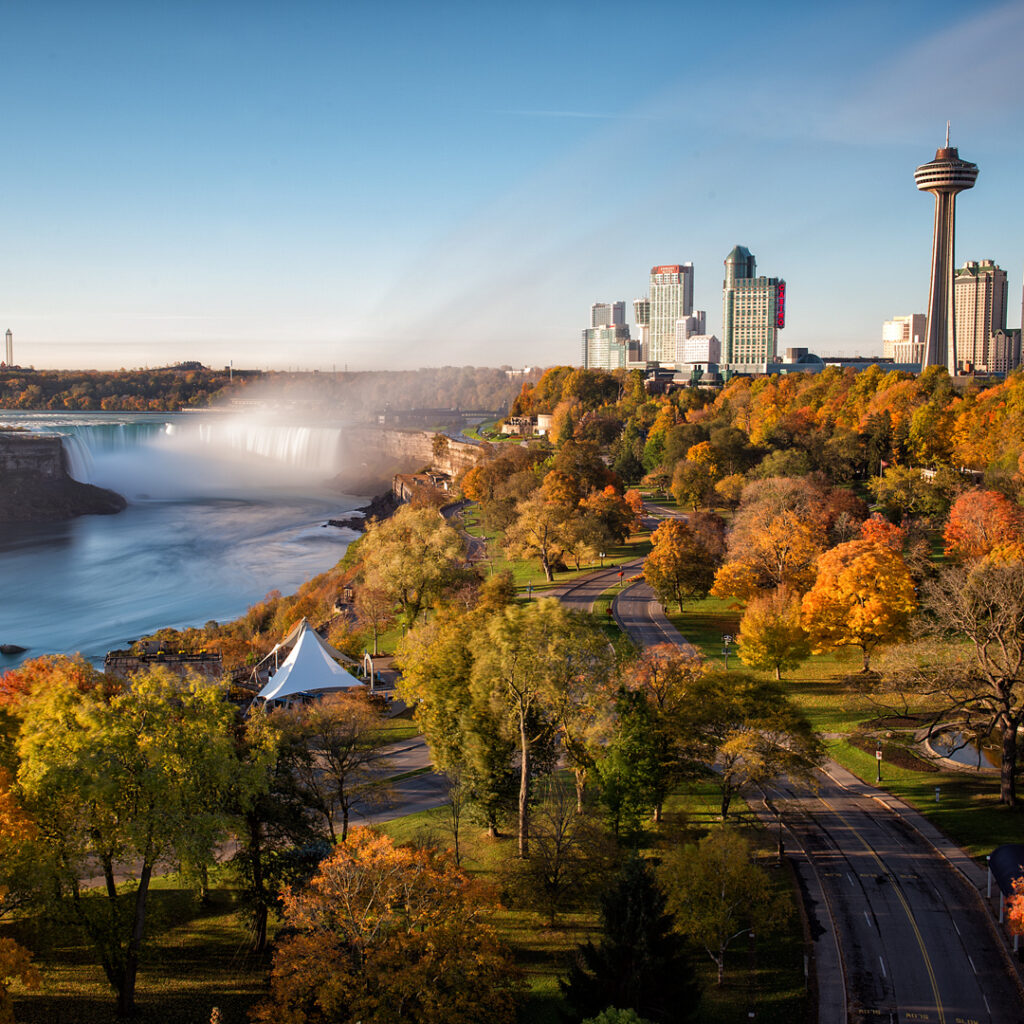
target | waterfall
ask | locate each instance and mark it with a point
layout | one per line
(317, 449)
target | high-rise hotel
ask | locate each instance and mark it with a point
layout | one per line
(671, 297)
(753, 313)
(979, 304)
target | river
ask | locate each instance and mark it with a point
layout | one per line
(222, 509)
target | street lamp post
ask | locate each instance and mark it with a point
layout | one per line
(878, 761)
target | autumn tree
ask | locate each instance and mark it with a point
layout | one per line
(411, 556)
(863, 596)
(640, 961)
(679, 568)
(718, 893)
(525, 658)
(385, 934)
(536, 533)
(375, 607)
(125, 784)
(771, 636)
(339, 762)
(981, 522)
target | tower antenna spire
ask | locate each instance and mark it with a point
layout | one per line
(947, 135)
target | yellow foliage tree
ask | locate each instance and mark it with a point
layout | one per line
(782, 554)
(771, 635)
(863, 597)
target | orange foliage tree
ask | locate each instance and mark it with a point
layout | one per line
(979, 523)
(863, 597)
(387, 933)
(678, 568)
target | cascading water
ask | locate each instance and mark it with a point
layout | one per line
(188, 456)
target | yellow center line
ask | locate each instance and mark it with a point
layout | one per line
(906, 907)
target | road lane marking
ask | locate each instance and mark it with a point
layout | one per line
(882, 962)
(987, 1007)
(906, 909)
(973, 968)
(955, 925)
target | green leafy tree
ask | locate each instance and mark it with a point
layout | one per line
(718, 893)
(412, 556)
(120, 786)
(640, 962)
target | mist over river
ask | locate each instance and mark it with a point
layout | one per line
(221, 511)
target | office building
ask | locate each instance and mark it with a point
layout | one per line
(608, 314)
(1004, 351)
(607, 348)
(945, 177)
(702, 349)
(671, 298)
(687, 327)
(980, 294)
(753, 313)
(642, 318)
(902, 329)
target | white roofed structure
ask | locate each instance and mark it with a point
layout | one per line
(309, 668)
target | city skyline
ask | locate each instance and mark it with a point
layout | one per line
(332, 187)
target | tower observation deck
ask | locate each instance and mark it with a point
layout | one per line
(944, 177)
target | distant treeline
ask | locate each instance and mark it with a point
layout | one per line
(160, 390)
(189, 386)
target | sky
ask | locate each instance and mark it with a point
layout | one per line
(318, 185)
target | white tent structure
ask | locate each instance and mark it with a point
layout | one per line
(309, 668)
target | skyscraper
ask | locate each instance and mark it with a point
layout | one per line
(671, 298)
(980, 293)
(753, 312)
(642, 316)
(608, 314)
(944, 177)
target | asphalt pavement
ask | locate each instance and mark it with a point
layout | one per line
(900, 931)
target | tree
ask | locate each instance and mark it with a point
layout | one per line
(411, 556)
(375, 607)
(678, 568)
(340, 761)
(863, 597)
(525, 658)
(754, 730)
(640, 962)
(718, 893)
(977, 687)
(613, 1015)
(903, 492)
(536, 532)
(616, 515)
(122, 785)
(981, 522)
(385, 934)
(664, 677)
(781, 554)
(771, 635)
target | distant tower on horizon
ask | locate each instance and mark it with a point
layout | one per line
(753, 313)
(944, 177)
(9, 339)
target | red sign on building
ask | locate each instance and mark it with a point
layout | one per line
(669, 268)
(780, 304)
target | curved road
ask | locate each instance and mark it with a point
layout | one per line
(917, 944)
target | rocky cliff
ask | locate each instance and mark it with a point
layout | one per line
(375, 454)
(35, 485)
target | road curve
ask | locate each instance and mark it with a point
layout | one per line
(916, 943)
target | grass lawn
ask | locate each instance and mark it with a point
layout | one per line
(769, 977)
(824, 687)
(201, 961)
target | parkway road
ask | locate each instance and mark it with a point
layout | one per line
(902, 935)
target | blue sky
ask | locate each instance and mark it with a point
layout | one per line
(316, 184)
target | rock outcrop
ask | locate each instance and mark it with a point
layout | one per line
(35, 485)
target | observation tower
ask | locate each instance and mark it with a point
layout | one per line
(944, 177)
